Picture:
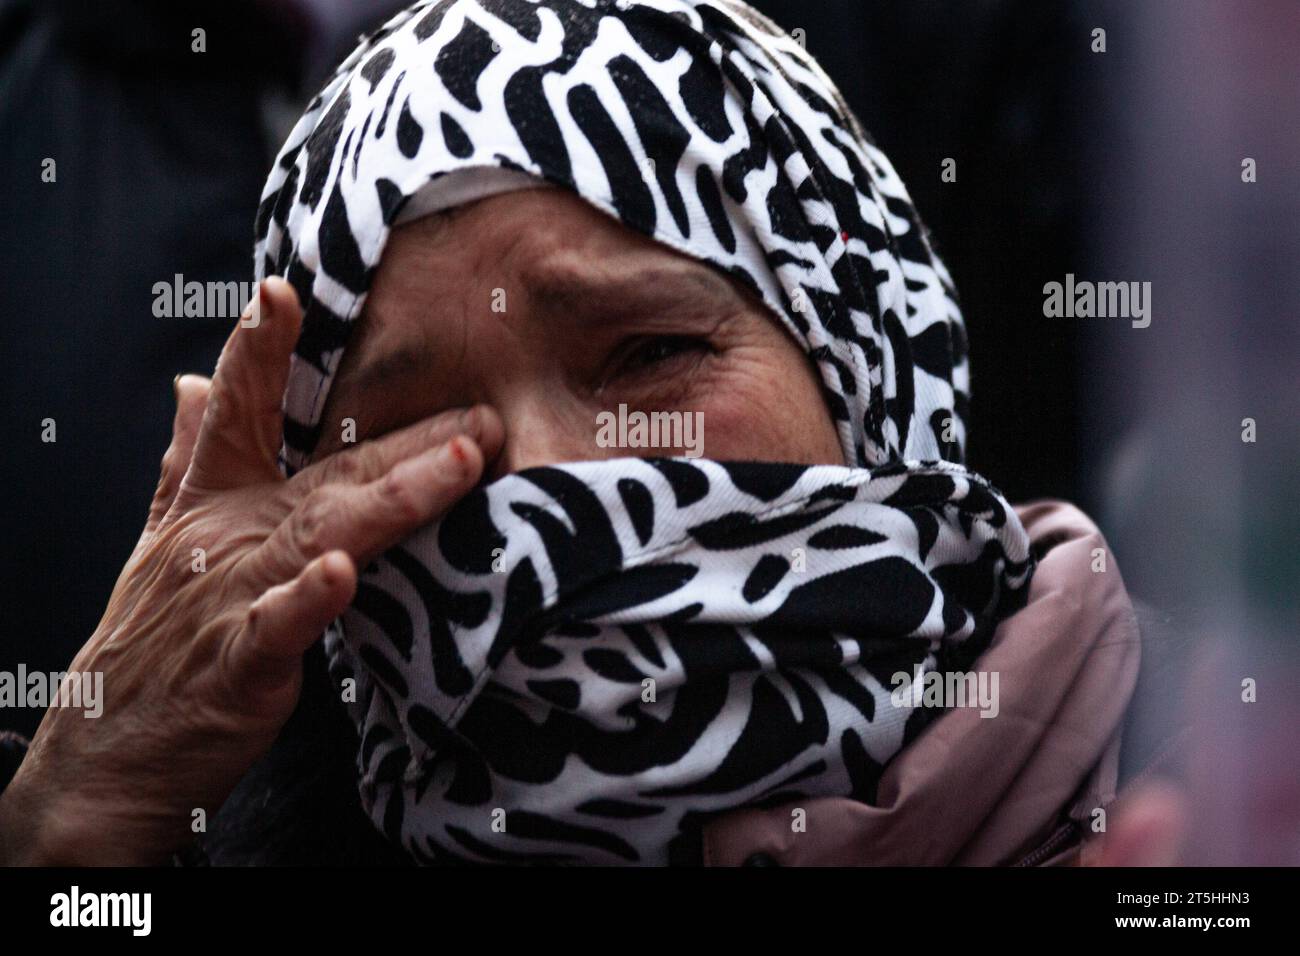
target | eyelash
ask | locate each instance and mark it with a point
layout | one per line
(650, 352)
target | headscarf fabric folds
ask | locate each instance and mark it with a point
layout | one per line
(581, 662)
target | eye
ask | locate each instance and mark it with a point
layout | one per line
(662, 348)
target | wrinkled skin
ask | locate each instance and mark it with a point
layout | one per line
(202, 669)
(590, 315)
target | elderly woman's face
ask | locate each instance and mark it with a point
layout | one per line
(551, 312)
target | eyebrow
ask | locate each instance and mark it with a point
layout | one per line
(653, 286)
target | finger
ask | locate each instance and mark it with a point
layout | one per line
(365, 520)
(240, 436)
(287, 619)
(191, 400)
(372, 459)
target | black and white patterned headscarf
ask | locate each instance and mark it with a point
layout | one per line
(583, 661)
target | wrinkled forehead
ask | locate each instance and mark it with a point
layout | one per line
(700, 125)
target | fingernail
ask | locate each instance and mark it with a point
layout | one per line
(468, 420)
(452, 457)
(176, 389)
(256, 307)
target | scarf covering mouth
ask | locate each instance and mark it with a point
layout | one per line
(583, 662)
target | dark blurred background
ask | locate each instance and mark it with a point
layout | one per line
(1119, 165)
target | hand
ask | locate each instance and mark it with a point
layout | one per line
(201, 668)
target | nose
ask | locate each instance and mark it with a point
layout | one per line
(545, 430)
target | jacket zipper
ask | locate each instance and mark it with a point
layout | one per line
(1054, 843)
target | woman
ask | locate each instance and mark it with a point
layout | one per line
(500, 224)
